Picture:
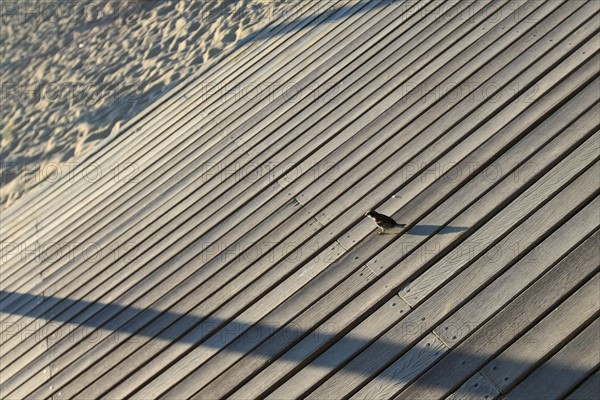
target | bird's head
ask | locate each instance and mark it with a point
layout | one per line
(370, 214)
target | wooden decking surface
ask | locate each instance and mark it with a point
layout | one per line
(229, 257)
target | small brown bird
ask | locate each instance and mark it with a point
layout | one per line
(384, 222)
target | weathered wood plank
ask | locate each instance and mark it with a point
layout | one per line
(510, 322)
(181, 210)
(124, 315)
(415, 291)
(476, 388)
(566, 369)
(158, 180)
(159, 171)
(531, 349)
(533, 264)
(197, 93)
(588, 390)
(417, 360)
(365, 332)
(462, 284)
(340, 350)
(439, 304)
(143, 369)
(575, 226)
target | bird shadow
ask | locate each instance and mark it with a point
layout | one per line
(427, 230)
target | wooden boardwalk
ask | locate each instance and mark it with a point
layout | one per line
(228, 256)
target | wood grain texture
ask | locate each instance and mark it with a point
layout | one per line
(510, 323)
(588, 389)
(514, 363)
(440, 304)
(453, 329)
(552, 380)
(399, 375)
(320, 367)
(476, 388)
(254, 272)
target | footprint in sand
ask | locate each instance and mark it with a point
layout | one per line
(229, 37)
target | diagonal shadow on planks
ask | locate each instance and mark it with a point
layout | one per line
(427, 230)
(422, 354)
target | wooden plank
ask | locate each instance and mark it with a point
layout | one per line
(417, 360)
(364, 333)
(158, 179)
(80, 331)
(526, 270)
(161, 107)
(566, 369)
(588, 390)
(415, 291)
(268, 373)
(224, 75)
(440, 303)
(516, 362)
(394, 115)
(460, 288)
(409, 69)
(476, 388)
(473, 353)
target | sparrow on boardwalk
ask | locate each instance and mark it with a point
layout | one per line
(384, 222)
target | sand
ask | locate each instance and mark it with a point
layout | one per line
(74, 72)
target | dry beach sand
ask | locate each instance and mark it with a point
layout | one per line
(74, 72)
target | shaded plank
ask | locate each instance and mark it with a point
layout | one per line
(588, 390)
(365, 332)
(476, 388)
(455, 296)
(510, 322)
(439, 304)
(417, 360)
(564, 370)
(531, 349)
